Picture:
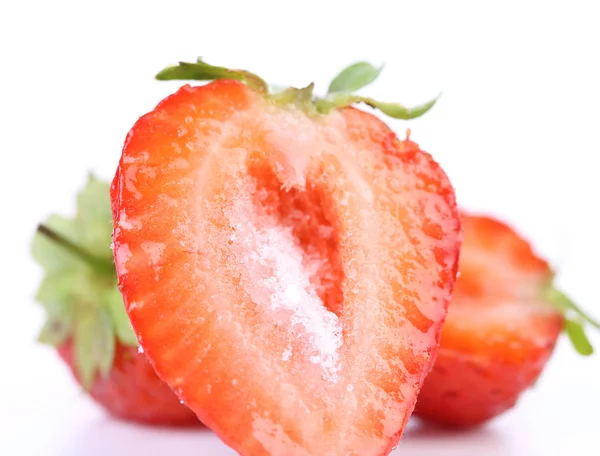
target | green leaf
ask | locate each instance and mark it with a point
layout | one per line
(354, 77)
(84, 355)
(395, 110)
(120, 321)
(94, 344)
(55, 332)
(579, 339)
(105, 340)
(202, 71)
(95, 214)
(55, 295)
(398, 111)
(575, 318)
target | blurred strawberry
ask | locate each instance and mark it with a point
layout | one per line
(502, 326)
(86, 320)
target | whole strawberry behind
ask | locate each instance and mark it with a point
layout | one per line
(503, 323)
(86, 320)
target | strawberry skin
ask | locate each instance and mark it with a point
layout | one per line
(286, 274)
(499, 332)
(133, 392)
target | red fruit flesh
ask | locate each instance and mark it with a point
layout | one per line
(287, 276)
(133, 392)
(499, 333)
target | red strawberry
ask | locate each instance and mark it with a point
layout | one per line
(86, 318)
(502, 326)
(286, 262)
(132, 391)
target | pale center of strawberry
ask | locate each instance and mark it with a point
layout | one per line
(285, 248)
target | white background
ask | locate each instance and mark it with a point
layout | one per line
(517, 130)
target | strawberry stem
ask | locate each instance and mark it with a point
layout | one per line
(99, 264)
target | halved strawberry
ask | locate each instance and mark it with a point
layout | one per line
(87, 322)
(286, 261)
(502, 326)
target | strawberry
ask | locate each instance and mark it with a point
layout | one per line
(86, 320)
(502, 326)
(286, 261)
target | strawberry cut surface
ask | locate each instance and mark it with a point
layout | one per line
(287, 275)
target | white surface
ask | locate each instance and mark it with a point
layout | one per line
(516, 130)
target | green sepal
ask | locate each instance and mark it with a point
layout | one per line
(54, 293)
(202, 71)
(394, 110)
(339, 95)
(301, 98)
(120, 322)
(578, 337)
(55, 331)
(94, 344)
(354, 77)
(398, 111)
(95, 214)
(575, 318)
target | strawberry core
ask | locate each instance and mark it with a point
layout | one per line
(288, 253)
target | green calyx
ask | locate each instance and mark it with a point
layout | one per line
(575, 319)
(339, 95)
(79, 291)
